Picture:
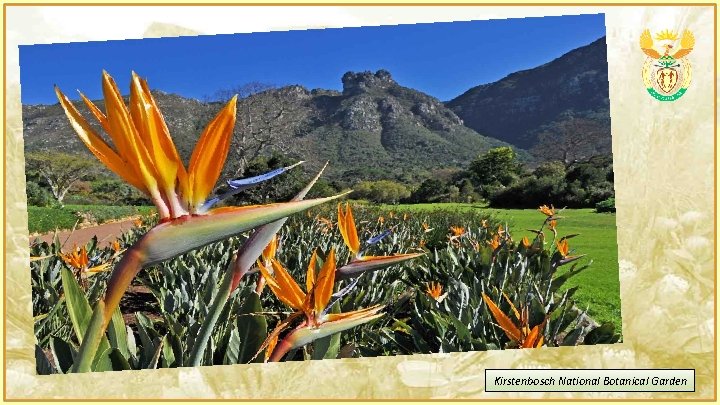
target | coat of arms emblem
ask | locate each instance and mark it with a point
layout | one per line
(667, 75)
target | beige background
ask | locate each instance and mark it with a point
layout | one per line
(663, 162)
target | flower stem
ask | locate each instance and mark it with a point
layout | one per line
(219, 301)
(282, 348)
(120, 280)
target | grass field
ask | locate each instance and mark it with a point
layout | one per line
(599, 284)
(47, 219)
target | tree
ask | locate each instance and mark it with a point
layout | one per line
(264, 114)
(572, 139)
(381, 191)
(60, 170)
(496, 168)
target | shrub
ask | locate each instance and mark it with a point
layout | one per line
(381, 191)
(37, 195)
(606, 205)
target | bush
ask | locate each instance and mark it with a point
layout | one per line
(606, 205)
(38, 196)
(381, 191)
(581, 185)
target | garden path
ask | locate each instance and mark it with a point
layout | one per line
(106, 234)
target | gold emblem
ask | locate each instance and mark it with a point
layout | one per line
(667, 75)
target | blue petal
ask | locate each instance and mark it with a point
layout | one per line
(242, 184)
(378, 238)
(239, 185)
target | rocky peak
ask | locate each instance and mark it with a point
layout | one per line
(354, 83)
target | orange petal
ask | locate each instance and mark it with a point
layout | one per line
(154, 134)
(351, 230)
(503, 321)
(291, 293)
(125, 136)
(97, 145)
(360, 313)
(310, 278)
(515, 311)
(346, 223)
(535, 337)
(99, 115)
(269, 251)
(326, 281)
(210, 153)
(279, 289)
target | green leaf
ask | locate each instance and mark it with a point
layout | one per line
(63, 354)
(119, 361)
(604, 333)
(147, 334)
(168, 356)
(232, 352)
(42, 364)
(102, 360)
(252, 329)
(80, 314)
(117, 334)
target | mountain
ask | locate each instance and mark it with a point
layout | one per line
(519, 107)
(375, 128)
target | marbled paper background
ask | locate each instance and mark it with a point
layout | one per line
(663, 162)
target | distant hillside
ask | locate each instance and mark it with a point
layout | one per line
(517, 108)
(375, 128)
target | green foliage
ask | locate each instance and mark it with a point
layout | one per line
(46, 219)
(436, 191)
(38, 195)
(494, 169)
(606, 205)
(465, 265)
(582, 184)
(381, 191)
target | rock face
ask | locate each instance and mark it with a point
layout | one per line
(516, 108)
(375, 128)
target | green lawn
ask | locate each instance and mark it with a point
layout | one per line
(599, 284)
(47, 219)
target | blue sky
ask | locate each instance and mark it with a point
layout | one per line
(441, 59)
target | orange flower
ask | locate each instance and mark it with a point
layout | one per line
(144, 154)
(457, 230)
(77, 259)
(312, 303)
(116, 246)
(494, 242)
(522, 334)
(381, 220)
(434, 291)
(552, 224)
(426, 227)
(138, 223)
(484, 223)
(549, 211)
(405, 216)
(525, 242)
(422, 243)
(563, 247)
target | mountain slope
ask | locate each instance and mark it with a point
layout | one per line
(373, 129)
(515, 109)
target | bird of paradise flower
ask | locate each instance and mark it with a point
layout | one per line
(144, 155)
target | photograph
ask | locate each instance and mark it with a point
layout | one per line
(320, 194)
